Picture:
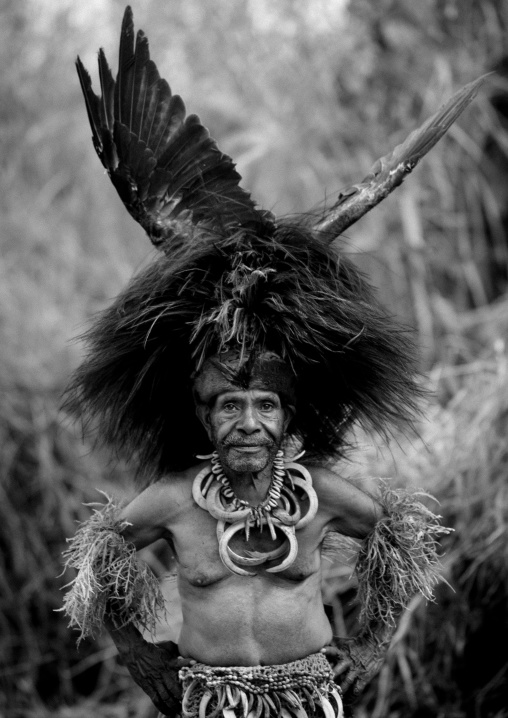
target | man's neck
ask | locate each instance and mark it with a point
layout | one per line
(251, 486)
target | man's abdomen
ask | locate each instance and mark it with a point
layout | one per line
(260, 620)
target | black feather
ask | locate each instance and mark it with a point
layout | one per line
(289, 294)
(124, 79)
(139, 128)
(108, 89)
(230, 278)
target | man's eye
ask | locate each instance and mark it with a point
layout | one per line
(229, 407)
(267, 406)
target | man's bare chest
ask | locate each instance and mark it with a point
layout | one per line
(194, 539)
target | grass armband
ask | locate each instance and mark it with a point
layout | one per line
(109, 578)
(398, 559)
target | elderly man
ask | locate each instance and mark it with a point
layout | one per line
(252, 338)
(253, 600)
(247, 530)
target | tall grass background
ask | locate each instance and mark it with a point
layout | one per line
(305, 95)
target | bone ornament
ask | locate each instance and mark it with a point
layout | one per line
(280, 513)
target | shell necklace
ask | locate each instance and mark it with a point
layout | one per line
(280, 510)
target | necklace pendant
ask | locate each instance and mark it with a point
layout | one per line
(280, 510)
(271, 527)
(247, 529)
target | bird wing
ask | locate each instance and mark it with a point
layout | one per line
(389, 171)
(168, 171)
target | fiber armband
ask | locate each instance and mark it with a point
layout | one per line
(398, 559)
(109, 577)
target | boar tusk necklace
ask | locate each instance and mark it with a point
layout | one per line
(280, 512)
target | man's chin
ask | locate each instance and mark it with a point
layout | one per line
(246, 458)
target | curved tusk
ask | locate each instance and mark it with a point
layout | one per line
(220, 703)
(233, 695)
(301, 470)
(216, 509)
(338, 700)
(285, 517)
(203, 704)
(187, 697)
(221, 527)
(271, 527)
(326, 707)
(223, 550)
(246, 560)
(293, 550)
(197, 493)
(288, 494)
(259, 706)
(261, 557)
(245, 702)
(313, 502)
(277, 552)
(285, 503)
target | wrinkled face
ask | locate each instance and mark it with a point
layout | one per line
(246, 428)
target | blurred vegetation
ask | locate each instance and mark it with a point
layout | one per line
(305, 95)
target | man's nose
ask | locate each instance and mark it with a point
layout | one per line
(248, 421)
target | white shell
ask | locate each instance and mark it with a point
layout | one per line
(197, 494)
(293, 550)
(216, 509)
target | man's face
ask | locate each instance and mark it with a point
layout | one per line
(246, 428)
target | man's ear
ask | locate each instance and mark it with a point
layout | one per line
(203, 414)
(289, 412)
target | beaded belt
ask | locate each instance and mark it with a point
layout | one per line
(302, 688)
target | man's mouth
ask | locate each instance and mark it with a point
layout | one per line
(247, 448)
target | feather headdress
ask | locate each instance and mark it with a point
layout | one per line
(230, 276)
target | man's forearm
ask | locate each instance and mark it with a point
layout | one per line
(154, 667)
(397, 560)
(113, 590)
(356, 661)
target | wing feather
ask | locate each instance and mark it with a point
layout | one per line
(92, 105)
(106, 106)
(123, 87)
(140, 84)
(168, 171)
(155, 90)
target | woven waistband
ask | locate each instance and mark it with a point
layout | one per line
(304, 687)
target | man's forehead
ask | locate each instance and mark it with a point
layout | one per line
(247, 394)
(225, 373)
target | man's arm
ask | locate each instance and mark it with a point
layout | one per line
(112, 589)
(397, 560)
(148, 516)
(349, 510)
(103, 551)
(153, 666)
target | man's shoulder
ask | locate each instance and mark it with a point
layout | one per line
(174, 483)
(328, 481)
(163, 500)
(333, 474)
(347, 504)
(321, 472)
